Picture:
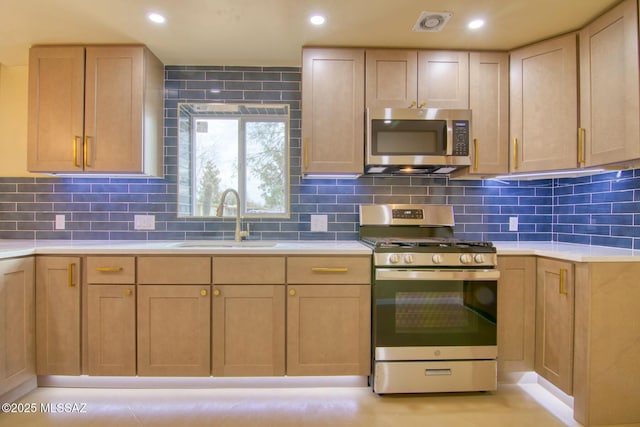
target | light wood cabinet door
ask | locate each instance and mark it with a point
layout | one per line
(391, 78)
(489, 102)
(443, 79)
(56, 109)
(174, 333)
(111, 331)
(609, 100)
(95, 109)
(516, 314)
(17, 323)
(554, 322)
(248, 330)
(332, 111)
(544, 106)
(404, 78)
(328, 330)
(114, 82)
(58, 315)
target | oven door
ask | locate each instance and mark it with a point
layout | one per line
(426, 314)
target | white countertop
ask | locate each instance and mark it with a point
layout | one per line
(565, 251)
(16, 248)
(568, 251)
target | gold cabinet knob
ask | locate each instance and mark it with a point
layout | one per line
(128, 292)
(203, 292)
(216, 292)
(292, 292)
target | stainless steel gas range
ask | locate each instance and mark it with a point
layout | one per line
(434, 302)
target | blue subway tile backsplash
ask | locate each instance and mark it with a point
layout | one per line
(602, 209)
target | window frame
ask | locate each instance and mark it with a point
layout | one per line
(242, 169)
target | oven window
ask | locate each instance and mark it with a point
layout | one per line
(435, 313)
(440, 312)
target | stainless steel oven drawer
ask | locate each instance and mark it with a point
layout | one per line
(435, 377)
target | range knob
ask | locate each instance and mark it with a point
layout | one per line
(437, 259)
(394, 258)
(479, 258)
(408, 259)
(466, 258)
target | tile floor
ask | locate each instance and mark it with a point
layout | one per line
(355, 406)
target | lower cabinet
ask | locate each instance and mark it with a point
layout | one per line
(328, 330)
(174, 316)
(248, 330)
(203, 315)
(111, 315)
(328, 316)
(248, 323)
(17, 323)
(111, 325)
(516, 314)
(555, 322)
(58, 315)
(174, 330)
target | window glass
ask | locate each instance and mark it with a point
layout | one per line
(239, 146)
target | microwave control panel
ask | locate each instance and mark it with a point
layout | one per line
(460, 130)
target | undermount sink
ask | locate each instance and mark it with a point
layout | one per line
(226, 244)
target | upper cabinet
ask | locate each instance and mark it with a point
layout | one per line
(95, 109)
(544, 106)
(609, 93)
(489, 102)
(401, 78)
(332, 111)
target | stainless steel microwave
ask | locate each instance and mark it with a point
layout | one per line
(427, 140)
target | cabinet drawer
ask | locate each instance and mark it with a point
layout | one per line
(327, 270)
(248, 270)
(111, 269)
(174, 270)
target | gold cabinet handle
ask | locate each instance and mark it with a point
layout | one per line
(292, 292)
(413, 104)
(75, 151)
(128, 292)
(422, 104)
(581, 147)
(329, 269)
(216, 292)
(475, 154)
(86, 149)
(109, 269)
(515, 153)
(563, 275)
(306, 153)
(203, 292)
(70, 269)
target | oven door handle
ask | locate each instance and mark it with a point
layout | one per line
(449, 274)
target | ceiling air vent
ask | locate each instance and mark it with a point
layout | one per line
(432, 21)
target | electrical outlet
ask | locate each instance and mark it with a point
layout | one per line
(513, 223)
(319, 223)
(60, 222)
(144, 222)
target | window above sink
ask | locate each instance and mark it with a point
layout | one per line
(241, 146)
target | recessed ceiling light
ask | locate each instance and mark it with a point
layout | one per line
(475, 24)
(157, 18)
(317, 19)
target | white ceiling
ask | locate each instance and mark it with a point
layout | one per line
(272, 32)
